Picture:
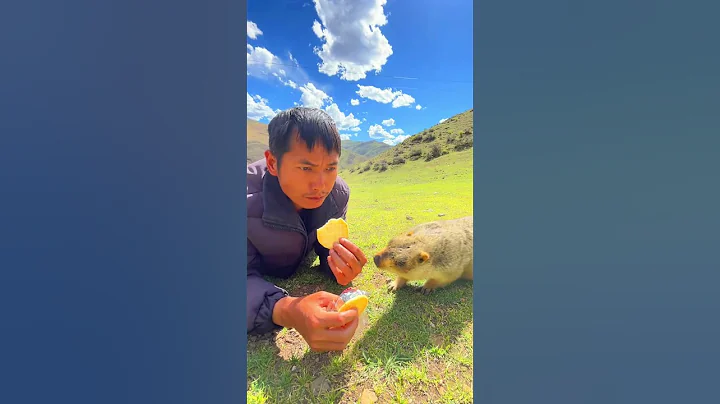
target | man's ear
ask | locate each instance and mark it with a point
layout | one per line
(271, 163)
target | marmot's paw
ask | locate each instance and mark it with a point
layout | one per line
(393, 286)
(426, 291)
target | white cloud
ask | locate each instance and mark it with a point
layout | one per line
(388, 122)
(312, 96)
(288, 83)
(262, 63)
(354, 102)
(252, 30)
(397, 140)
(379, 133)
(353, 44)
(344, 137)
(418, 107)
(385, 96)
(443, 120)
(403, 100)
(258, 108)
(342, 121)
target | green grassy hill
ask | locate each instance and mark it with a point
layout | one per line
(353, 152)
(257, 140)
(451, 136)
(367, 149)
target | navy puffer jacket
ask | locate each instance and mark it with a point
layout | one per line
(279, 240)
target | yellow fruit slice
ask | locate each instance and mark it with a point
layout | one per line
(331, 232)
(358, 302)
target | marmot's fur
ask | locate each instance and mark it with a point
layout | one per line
(439, 252)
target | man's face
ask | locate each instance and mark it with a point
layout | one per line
(306, 176)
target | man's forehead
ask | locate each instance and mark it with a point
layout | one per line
(300, 149)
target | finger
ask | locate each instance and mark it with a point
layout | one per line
(326, 346)
(338, 267)
(355, 250)
(338, 335)
(346, 256)
(334, 319)
(325, 298)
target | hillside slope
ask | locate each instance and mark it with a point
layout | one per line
(368, 148)
(451, 136)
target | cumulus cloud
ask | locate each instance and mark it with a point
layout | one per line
(443, 120)
(252, 30)
(344, 137)
(379, 133)
(418, 107)
(353, 43)
(403, 100)
(385, 96)
(354, 102)
(397, 140)
(388, 122)
(342, 121)
(312, 96)
(258, 108)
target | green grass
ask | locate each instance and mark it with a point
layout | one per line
(415, 348)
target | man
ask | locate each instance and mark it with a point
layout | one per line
(290, 194)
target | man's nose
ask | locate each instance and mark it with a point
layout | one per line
(318, 182)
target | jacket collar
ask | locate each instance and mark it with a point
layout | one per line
(279, 210)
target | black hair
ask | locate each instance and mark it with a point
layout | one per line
(312, 125)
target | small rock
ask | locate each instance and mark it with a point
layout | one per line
(368, 397)
(432, 325)
(408, 217)
(441, 214)
(294, 368)
(320, 386)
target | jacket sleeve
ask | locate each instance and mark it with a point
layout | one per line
(261, 296)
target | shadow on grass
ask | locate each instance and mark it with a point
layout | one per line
(281, 368)
(416, 324)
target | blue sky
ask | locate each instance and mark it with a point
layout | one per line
(406, 64)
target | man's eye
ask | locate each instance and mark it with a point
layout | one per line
(332, 168)
(305, 168)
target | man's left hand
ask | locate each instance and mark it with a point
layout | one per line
(346, 260)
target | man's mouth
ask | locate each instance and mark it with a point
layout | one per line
(316, 198)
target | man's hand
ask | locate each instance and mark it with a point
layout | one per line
(323, 330)
(346, 260)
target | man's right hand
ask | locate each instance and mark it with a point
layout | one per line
(313, 316)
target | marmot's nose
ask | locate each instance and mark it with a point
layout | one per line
(376, 259)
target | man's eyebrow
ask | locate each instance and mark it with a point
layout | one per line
(308, 163)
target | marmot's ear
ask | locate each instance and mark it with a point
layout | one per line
(424, 256)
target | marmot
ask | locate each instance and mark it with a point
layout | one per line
(439, 252)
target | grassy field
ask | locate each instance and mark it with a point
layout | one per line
(414, 348)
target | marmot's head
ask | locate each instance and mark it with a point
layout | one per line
(402, 254)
